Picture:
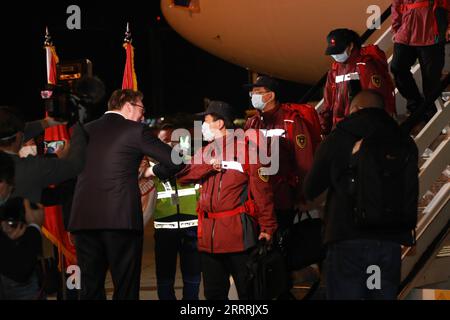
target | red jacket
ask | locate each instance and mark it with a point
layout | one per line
(296, 155)
(224, 191)
(336, 105)
(414, 27)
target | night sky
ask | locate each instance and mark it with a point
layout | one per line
(173, 74)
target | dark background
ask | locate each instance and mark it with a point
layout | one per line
(174, 75)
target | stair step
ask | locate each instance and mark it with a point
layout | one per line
(444, 253)
(429, 294)
(440, 182)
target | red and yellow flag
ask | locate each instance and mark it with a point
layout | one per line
(129, 74)
(52, 60)
(53, 227)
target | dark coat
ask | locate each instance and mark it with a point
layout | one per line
(107, 194)
(33, 174)
(330, 168)
(19, 257)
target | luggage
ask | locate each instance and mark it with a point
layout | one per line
(385, 184)
(267, 272)
(304, 244)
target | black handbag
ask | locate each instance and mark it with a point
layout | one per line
(304, 244)
(267, 272)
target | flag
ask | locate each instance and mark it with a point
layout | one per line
(52, 61)
(53, 227)
(129, 74)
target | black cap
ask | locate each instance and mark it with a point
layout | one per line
(338, 40)
(219, 108)
(267, 82)
(10, 124)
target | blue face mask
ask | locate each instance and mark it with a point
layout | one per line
(257, 101)
(342, 57)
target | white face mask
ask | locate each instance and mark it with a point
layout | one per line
(28, 151)
(257, 101)
(208, 135)
(342, 57)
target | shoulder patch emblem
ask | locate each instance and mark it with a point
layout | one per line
(376, 81)
(301, 141)
(262, 176)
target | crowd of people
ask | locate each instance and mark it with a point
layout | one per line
(213, 205)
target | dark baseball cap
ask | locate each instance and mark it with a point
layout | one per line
(338, 40)
(219, 108)
(265, 81)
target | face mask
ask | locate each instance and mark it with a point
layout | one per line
(257, 101)
(341, 58)
(28, 151)
(208, 135)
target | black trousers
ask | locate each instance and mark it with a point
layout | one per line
(431, 59)
(216, 270)
(119, 251)
(168, 244)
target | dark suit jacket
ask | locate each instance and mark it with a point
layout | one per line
(107, 194)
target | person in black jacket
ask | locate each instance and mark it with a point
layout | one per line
(34, 174)
(350, 250)
(106, 215)
(20, 244)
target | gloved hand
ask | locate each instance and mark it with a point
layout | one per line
(185, 144)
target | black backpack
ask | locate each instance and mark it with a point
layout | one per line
(384, 184)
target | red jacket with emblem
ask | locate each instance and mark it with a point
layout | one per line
(417, 26)
(225, 191)
(297, 146)
(366, 69)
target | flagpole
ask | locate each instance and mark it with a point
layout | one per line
(48, 39)
(127, 38)
(51, 58)
(54, 133)
(47, 44)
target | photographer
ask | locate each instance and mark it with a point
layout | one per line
(33, 174)
(20, 239)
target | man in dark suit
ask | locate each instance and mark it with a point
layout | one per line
(106, 215)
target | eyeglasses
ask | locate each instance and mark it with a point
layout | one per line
(139, 106)
(251, 93)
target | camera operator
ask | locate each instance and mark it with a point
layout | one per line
(20, 239)
(35, 173)
(77, 104)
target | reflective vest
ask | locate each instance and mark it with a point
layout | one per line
(175, 199)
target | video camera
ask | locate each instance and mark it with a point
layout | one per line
(73, 105)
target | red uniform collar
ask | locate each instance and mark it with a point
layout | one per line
(354, 56)
(269, 115)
